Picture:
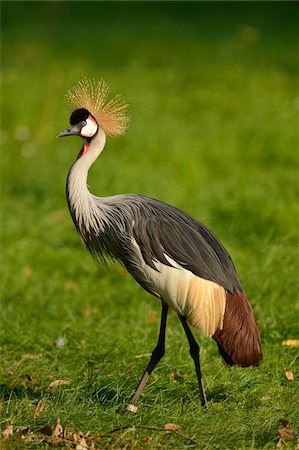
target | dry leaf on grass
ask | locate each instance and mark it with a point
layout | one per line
(171, 426)
(265, 398)
(289, 375)
(286, 433)
(291, 342)
(280, 443)
(24, 358)
(174, 376)
(284, 422)
(29, 437)
(30, 356)
(39, 408)
(82, 444)
(58, 383)
(8, 431)
(58, 431)
(54, 435)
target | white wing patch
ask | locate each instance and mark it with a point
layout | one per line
(201, 301)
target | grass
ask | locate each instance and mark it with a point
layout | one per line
(214, 104)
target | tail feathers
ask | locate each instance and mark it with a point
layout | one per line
(239, 339)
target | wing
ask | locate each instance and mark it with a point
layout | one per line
(161, 229)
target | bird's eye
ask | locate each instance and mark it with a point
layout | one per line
(83, 123)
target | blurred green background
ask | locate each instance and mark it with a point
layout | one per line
(214, 101)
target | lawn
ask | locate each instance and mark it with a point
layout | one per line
(214, 101)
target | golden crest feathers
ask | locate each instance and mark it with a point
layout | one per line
(92, 95)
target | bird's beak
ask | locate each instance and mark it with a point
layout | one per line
(73, 130)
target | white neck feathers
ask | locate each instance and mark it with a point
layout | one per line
(80, 200)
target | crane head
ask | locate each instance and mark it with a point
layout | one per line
(82, 124)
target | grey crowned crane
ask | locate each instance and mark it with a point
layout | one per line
(169, 253)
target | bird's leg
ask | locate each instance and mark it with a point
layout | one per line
(157, 354)
(194, 352)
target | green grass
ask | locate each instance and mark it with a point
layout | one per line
(213, 89)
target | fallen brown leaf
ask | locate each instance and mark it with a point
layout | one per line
(171, 426)
(30, 356)
(8, 431)
(55, 435)
(174, 376)
(291, 342)
(23, 358)
(286, 433)
(265, 398)
(71, 436)
(289, 375)
(279, 443)
(29, 437)
(58, 431)
(58, 383)
(284, 422)
(39, 408)
(82, 444)
(147, 439)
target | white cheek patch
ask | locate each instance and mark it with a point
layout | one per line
(90, 128)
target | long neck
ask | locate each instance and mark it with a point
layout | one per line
(79, 198)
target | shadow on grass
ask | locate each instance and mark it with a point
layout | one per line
(103, 394)
(8, 392)
(106, 395)
(219, 394)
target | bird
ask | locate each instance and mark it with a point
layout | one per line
(170, 254)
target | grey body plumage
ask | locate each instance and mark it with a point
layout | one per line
(159, 229)
(168, 252)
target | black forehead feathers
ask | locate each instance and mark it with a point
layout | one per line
(79, 115)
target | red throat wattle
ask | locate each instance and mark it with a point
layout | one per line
(86, 144)
(84, 150)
